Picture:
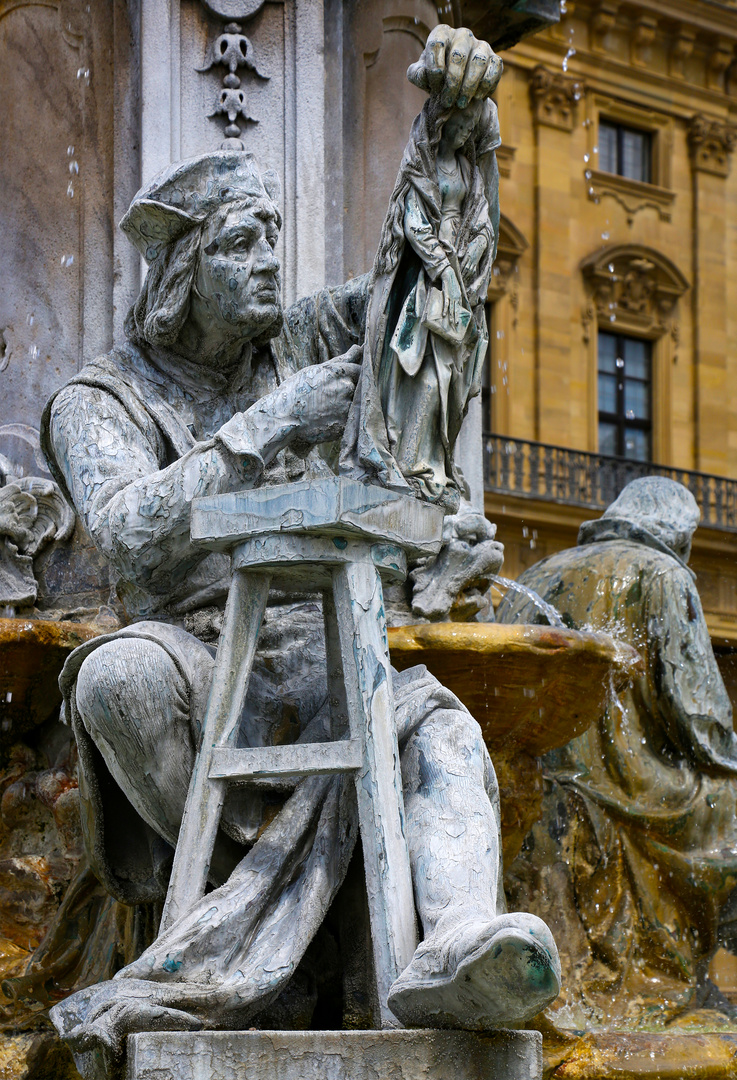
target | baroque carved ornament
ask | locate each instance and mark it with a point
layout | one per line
(632, 288)
(512, 245)
(233, 50)
(711, 143)
(555, 97)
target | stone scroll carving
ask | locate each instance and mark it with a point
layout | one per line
(554, 98)
(33, 514)
(711, 143)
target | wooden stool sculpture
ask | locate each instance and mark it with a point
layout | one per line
(339, 536)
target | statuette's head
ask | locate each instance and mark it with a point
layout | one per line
(208, 228)
(461, 124)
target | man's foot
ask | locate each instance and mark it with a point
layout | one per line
(480, 975)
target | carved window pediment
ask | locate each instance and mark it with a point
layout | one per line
(512, 244)
(633, 288)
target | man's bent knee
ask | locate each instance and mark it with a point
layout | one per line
(123, 680)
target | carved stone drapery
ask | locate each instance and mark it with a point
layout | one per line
(711, 143)
(554, 97)
(632, 288)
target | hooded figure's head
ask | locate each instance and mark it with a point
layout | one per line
(207, 226)
(663, 507)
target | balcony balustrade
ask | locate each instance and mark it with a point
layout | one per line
(532, 470)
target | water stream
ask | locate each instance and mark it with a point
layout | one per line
(546, 609)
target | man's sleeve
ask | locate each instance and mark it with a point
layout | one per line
(135, 507)
(688, 691)
(99, 450)
(328, 323)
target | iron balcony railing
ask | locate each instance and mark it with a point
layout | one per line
(532, 470)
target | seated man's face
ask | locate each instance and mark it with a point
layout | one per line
(238, 271)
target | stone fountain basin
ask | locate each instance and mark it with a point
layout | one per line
(32, 653)
(536, 687)
(531, 688)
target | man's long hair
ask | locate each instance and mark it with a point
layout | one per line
(159, 313)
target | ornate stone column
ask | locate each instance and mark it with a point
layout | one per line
(711, 143)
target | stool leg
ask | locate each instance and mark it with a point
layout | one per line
(359, 603)
(244, 613)
(339, 721)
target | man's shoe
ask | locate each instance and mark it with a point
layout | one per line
(479, 976)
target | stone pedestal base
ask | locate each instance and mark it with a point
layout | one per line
(335, 1055)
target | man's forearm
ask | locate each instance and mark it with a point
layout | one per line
(149, 520)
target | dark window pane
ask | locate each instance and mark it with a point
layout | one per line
(608, 439)
(607, 352)
(635, 155)
(625, 151)
(608, 148)
(636, 400)
(624, 396)
(636, 444)
(607, 393)
(637, 359)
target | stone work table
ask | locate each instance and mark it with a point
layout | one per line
(335, 1055)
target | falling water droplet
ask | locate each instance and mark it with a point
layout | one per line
(605, 236)
(67, 260)
(70, 151)
(74, 168)
(70, 189)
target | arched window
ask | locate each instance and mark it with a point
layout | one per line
(630, 325)
(501, 314)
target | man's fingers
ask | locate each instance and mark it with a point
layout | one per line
(456, 59)
(490, 79)
(348, 371)
(429, 71)
(476, 68)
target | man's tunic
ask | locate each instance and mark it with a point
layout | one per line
(126, 416)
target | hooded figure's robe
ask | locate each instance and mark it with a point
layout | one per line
(635, 856)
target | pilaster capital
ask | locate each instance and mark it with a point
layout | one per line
(711, 143)
(554, 97)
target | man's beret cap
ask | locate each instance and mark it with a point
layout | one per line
(187, 192)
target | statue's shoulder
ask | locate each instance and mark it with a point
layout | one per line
(119, 374)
